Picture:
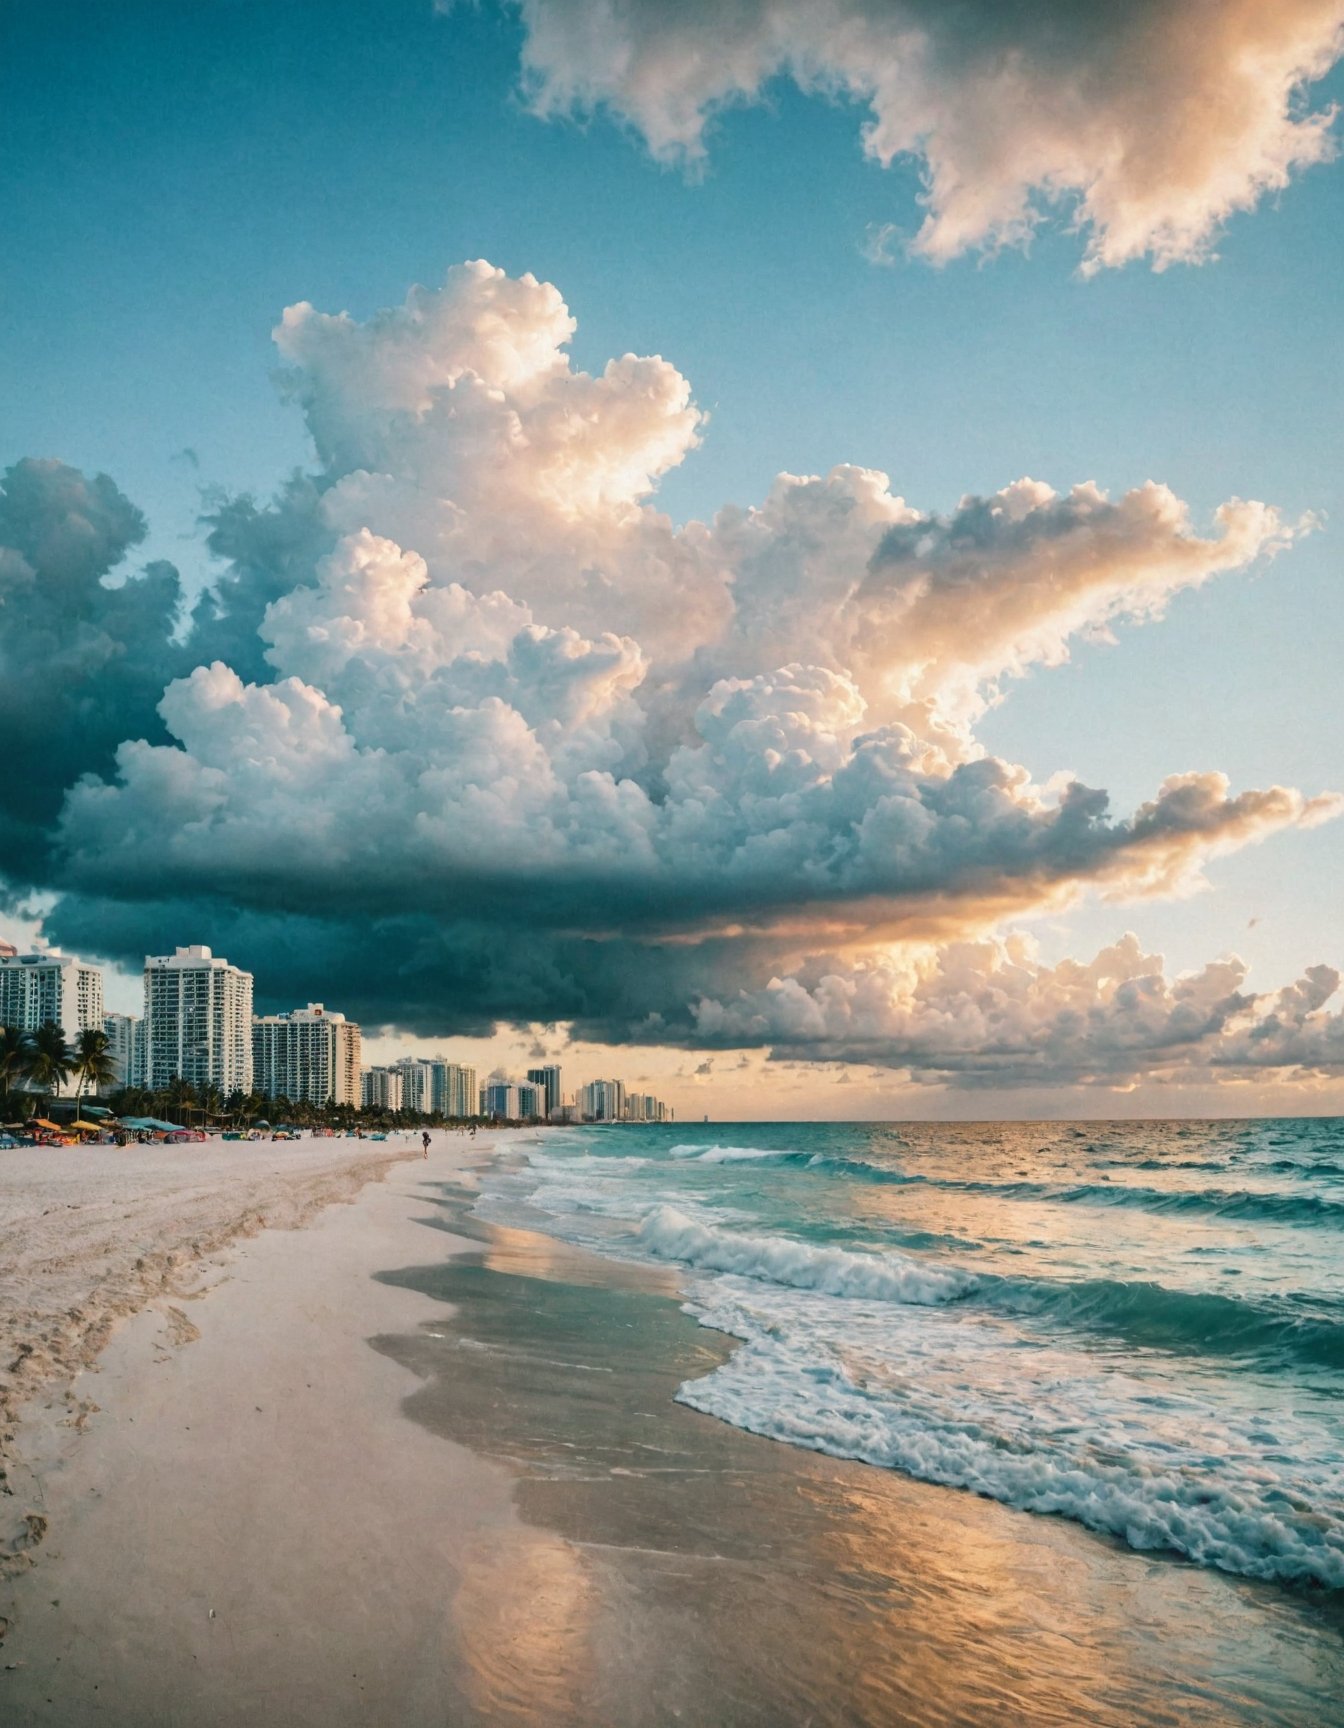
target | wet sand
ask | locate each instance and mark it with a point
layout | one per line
(420, 1470)
(705, 1575)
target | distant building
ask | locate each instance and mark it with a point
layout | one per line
(126, 1046)
(381, 1089)
(310, 1053)
(39, 988)
(602, 1101)
(438, 1081)
(457, 1096)
(417, 1084)
(549, 1080)
(608, 1101)
(500, 1098)
(531, 1101)
(198, 1021)
(7, 950)
(452, 1088)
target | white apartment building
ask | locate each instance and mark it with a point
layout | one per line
(644, 1107)
(126, 1046)
(417, 1084)
(500, 1098)
(520, 1101)
(462, 1093)
(452, 1088)
(602, 1101)
(311, 1054)
(198, 1021)
(38, 988)
(380, 1089)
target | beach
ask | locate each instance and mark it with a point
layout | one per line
(388, 1460)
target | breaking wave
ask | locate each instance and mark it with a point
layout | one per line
(669, 1234)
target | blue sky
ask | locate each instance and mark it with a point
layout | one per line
(176, 176)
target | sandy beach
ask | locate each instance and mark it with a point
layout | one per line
(383, 1462)
(195, 1489)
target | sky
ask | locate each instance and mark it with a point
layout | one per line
(785, 551)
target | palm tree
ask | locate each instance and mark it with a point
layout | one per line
(93, 1062)
(133, 1101)
(51, 1061)
(16, 1056)
(180, 1096)
(212, 1101)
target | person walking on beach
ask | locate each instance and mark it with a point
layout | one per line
(424, 1141)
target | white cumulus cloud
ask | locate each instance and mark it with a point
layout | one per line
(465, 695)
(1150, 121)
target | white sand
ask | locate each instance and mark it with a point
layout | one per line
(241, 1527)
(91, 1234)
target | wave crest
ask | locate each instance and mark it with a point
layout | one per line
(670, 1234)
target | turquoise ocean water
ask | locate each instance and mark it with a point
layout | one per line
(1139, 1326)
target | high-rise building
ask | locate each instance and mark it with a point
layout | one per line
(417, 1084)
(452, 1088)
(380, 1089)
(198, 1021)
(310, 1054)
(126, 1046)
(36, 989)
(602, 1101)
(549, 1080)
(531, 1101)
(438, 1081)
(500, 1098)
(644, 1107)
(454, 1091)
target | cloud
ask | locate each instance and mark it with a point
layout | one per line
(881, 242)
(466, 730)
(928, 612)
(432, 767)
(990, 1013)
(82, 661)
(1150, 123)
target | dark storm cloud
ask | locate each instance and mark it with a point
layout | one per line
(83, 663)
(267, 550)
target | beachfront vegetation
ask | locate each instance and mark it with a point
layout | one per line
(93, 1065)
(205, 1107)
(16, 1051)
(49, 1060)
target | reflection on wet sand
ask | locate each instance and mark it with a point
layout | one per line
(673, 1568)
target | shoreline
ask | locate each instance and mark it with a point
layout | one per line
(417, 1467)
(769, 1584)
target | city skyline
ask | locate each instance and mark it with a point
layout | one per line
(825, 622)
(197, 1025)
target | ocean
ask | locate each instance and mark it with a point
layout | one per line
(1135, 1326)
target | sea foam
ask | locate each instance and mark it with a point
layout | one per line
(670, 1234)
(1258, 1528)
(1176, 1388)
